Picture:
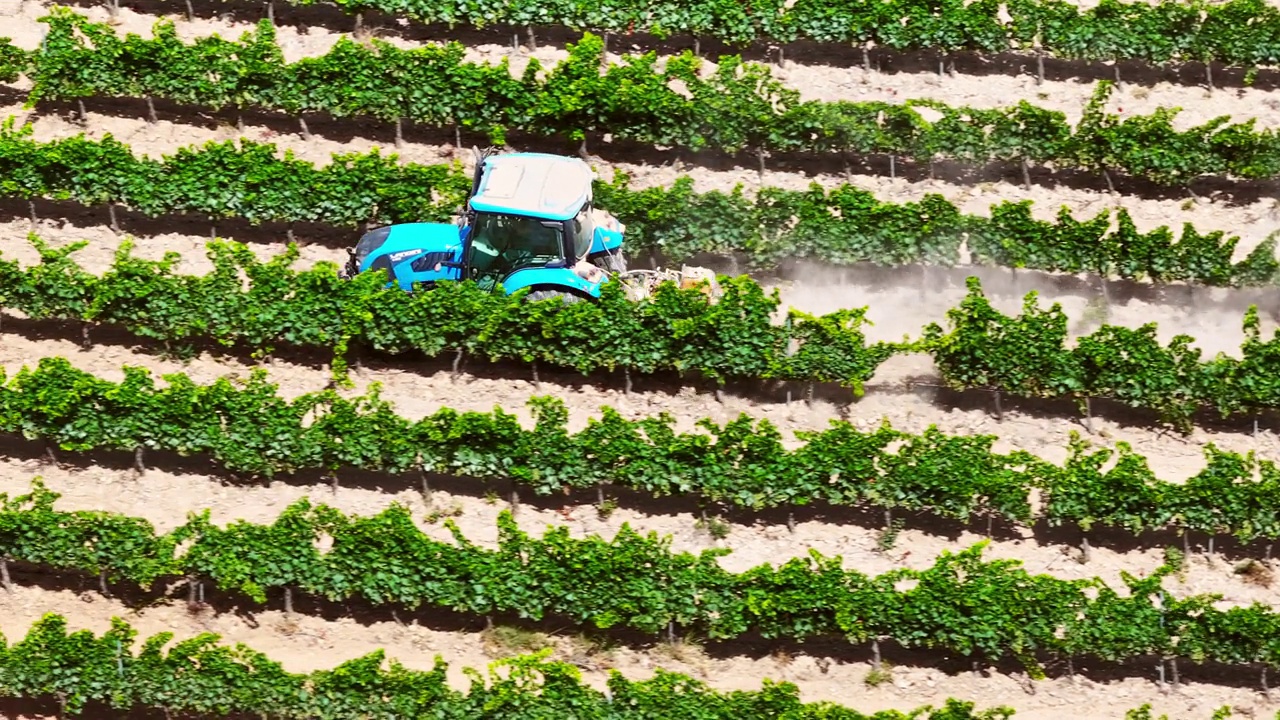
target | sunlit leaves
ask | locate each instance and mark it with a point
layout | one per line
(1028, 355)
(990, 610)
(200, 676)
(737, 107)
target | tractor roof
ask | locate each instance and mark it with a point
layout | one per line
(552, 187)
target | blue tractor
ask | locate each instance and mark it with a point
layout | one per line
(528, 223)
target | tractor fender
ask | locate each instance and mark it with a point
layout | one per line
(550, 278)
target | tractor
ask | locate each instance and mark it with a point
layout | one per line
(528, 223)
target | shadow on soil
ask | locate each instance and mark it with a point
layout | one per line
(47, 707)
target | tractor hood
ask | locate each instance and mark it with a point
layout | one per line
(411, 253)
(388, 246)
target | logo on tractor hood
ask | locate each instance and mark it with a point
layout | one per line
(397, 257)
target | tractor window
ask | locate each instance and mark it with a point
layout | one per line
(501, 244)
(584, 231)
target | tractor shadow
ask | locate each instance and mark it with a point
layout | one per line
(46, 706)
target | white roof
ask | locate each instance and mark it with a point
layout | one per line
(547, 186)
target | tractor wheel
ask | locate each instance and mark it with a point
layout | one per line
(611, 262)
(567, 297)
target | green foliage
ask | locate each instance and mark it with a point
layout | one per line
(985, 348)
(1238, 32)
(738, 108)
(1028, 356)
(200, 677)
(246, 427)
(962, 604)
(676, 330)
(225, 180)
(14, 61)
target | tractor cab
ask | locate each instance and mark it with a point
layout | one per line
(529, 223)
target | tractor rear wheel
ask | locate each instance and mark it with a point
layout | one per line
(611, 262)
(567, 297)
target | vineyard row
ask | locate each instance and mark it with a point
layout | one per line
(1237, 32)
(676, 330)
(197, 677)
(246, 427)
(738, 108)
(962, 604)
(844, 225)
